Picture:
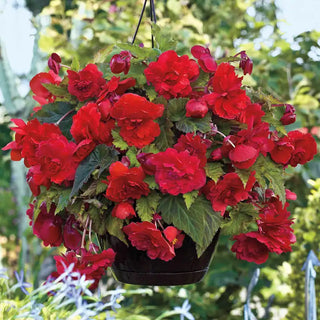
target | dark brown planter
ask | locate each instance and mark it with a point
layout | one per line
(135, 267)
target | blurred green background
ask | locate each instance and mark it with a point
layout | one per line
(290, 71)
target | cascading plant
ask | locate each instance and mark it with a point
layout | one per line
(153, 148)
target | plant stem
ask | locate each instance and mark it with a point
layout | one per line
(90, 239)
(141, 15)
(84, 233)
(63, 117)
(223, 135)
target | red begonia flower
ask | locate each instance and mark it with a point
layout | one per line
(243, 156)
(93, 266)
(195, 145)
(27, 138)
(251, 247)
(305, 147)
(228, 191)
(48, 226)
(43, 95)
(135, 115)
(251, 115)
(171, 75)
(274, 223)
(83, 149)
(174, 236)
(125, 183)
(34, 187)
(71, 236)
(146, 237)
(205, 59)
(282, 151)
(227, 99)
(178, 172)
(56, 159)
(87, 83)
(88, 123)
(115, 88)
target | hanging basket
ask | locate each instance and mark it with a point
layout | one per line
(133, 266)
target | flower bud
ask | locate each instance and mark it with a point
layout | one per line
(123, 210)
(196, 108)
(145, 161)
(246, 63)
(54, 63)
(197, 51)
(205, 59)
(289, 115)
(121, 62)
(126, 161)
(71, 237)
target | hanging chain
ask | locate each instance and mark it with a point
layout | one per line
(153, 19)
(152, 16)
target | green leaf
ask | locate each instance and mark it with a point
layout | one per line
(101, 157)
(64, 196)
(101, 187)
(165, 139)
(192, 125)
(202, 80)
(137, 317)
(144, 53)
(228, 59)
(99, 219)
(241, 217)
(56, 90)
(101, 55)
(95, 202)
(177, 109)
(137, 71)
(147, 206)
(151, 148)
(151, 93)
(163, 38)
(91, 189)
(174, 6)
(77, 207)
(273, 116)
(269, 99)
(53, 112)
(200, 222)
(214, 170)
(118, 142)
(150, 180)
(190, 197)
(114, 226)
(132, 155)
(268, 170)
(244, 175)
(75, 65)
(48, 196)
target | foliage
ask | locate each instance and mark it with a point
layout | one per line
(307, 222)
(81, 27)
(69, 297)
